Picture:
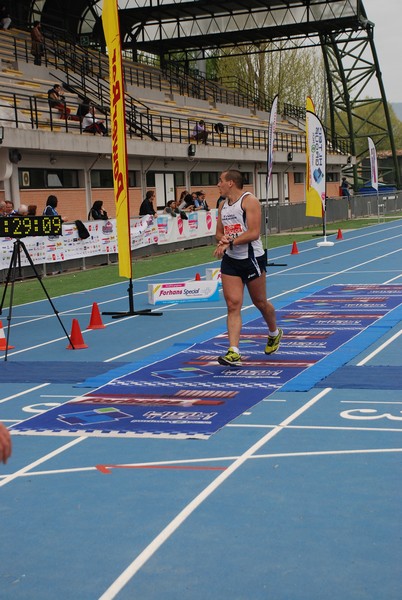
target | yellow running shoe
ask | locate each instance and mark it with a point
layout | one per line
(231, 358)
(273, 342)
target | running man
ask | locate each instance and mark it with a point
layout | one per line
(243, 262)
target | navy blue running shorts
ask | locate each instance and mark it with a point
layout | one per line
(247, 269)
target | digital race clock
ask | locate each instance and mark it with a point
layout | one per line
(17, 227)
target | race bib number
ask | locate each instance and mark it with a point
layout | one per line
(233, 231)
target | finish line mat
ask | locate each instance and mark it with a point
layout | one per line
(189, 395)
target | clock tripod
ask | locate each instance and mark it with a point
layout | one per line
(14, 269)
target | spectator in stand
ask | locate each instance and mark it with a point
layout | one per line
(187, 204)
(97, 213)
(57, 100)
(32, 208)
(38, 43)
(200, 203)
(200, 134)
(147, 207)
(83, 108)
(5, 19)
(171, 208)
(50, 208)
(182, 196)
(2, 208)
(5, 444)
(345, 188)
(9, 207)
(90, 124)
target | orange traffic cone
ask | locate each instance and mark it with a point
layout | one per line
(96, 320)
(197, 277)
(339, 236)
(3, 341)
(77, 341)
(294, 249)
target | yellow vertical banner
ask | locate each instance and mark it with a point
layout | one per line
(315, 163)
(110, 22)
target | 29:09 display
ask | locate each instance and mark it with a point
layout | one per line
(30, 226)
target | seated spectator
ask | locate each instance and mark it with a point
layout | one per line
(97, 213)
(5, 444)
(147, 207)
(200, 134)
(83, 108)
(5, 19)
(187, 204)
(57, 100)
(219, 128)
(199, 202)
(32, 208)
(90, 124)
(50, 208)
(2, 208)
(182, 196)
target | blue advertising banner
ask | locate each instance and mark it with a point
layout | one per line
(189, 395)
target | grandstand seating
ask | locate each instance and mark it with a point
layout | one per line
(158, 109)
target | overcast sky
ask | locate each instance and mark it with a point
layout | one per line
(387, 17)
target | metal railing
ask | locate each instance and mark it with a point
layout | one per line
(86, 74)
(27, 110)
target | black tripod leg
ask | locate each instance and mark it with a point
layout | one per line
(13, 270)
(38, 277)
(8, 276)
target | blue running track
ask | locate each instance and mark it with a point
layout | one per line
(297, 498)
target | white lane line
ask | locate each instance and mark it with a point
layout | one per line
(273, 400)
(322, 258)
(54, 340)
(300, 287)
(33, 389)
(57, 396)
(327, 453)
(313, 427)
(34, 318)
(380, 348)
(41, 460)
(159, 463)
(367, 402)
(394, 226)
(165, 534)
(216, 459)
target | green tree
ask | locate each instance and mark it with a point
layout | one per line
(271, 69)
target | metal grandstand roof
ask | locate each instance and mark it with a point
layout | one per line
(165, 26)
(202, 25)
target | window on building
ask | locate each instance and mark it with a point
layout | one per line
(48, 178)
(333, 177)
(104, 178)
(179, 178)
(203, 178)
(298, 177)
